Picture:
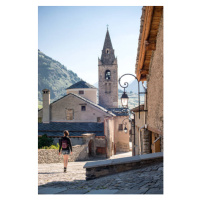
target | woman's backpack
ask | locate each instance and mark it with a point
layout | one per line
(64, 144)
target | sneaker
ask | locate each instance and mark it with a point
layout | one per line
(65, 169)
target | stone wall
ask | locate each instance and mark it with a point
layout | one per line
(155, 85)
(100, 142)
(80, 152)
(100, 146)
(145, 142)
(113, 166)
(49, 156)
(74, 141)
(108, 99)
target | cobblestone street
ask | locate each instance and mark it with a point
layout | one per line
(52, 180)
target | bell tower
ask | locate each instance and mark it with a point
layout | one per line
(108, 75)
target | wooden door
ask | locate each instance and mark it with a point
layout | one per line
(155, 147)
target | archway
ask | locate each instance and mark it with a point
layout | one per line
(91, 148)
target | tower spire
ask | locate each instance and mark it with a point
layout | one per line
(108, 55)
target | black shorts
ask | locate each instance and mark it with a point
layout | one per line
(65, 152)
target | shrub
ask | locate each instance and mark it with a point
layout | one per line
(51, 147)
(54, 146)
(44, 141)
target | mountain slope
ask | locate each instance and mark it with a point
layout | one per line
(54, 76)
(133, 87)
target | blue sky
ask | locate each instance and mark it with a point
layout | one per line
(74, 36)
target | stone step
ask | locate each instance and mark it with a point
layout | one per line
(112, 166)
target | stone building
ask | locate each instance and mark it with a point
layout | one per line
(97, 125)
(75, 106)
(149, 68)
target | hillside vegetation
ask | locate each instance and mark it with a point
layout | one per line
(54, 76)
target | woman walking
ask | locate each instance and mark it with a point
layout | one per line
(65, 144)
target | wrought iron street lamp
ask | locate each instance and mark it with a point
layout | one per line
(124, 97)
(125, 129)
(124, 100)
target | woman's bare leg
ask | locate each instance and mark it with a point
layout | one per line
(66, 161)
(65, 157)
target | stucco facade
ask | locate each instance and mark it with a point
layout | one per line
(88, 93)
(109, 135)
(58, 110)
(117, 140)
(120, 137)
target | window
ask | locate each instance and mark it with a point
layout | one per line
(107, 74)
(83, 108)
(98, 119)
(81, 91)
(69, 114)
(107, 87)
(120, 127)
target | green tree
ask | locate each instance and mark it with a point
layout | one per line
(44, 141)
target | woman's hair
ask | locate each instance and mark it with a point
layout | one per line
(66, 133)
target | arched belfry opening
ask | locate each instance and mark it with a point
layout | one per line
(107, 74)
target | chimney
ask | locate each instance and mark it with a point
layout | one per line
(46, 106)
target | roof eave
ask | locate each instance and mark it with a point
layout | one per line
(147, 43)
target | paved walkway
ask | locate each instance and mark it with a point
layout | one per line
(52, 180)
